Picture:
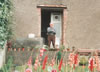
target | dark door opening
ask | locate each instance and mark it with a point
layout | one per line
(45, 20)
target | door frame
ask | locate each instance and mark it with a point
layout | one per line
(64, 19)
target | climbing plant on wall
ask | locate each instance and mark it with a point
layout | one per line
(5, 21)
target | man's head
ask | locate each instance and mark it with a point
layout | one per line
(51, 24)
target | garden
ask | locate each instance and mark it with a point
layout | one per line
(50, 60)
(21, 58)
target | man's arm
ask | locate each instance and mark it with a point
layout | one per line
(48, 29)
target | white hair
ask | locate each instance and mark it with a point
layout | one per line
(51, 23)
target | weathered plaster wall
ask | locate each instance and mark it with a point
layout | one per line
(83, 24)
(27, 16)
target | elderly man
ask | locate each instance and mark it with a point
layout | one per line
(51, 32)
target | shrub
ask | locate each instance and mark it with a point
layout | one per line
(7, 67)
(5, 21)
(83, 61)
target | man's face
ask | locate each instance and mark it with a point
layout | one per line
(51, 25)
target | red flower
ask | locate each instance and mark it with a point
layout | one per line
(30, 61)
(44, 62)
(36, 63)
(28, 70)
(91, 64)
(75, 60)
(44, 50)
(61, 61)
(54, 71)
(97, 62)
(8, 49)
(18, 49)
(52, 62)
(41, 52)
(22, 49)
(71, 59)
(35, 66)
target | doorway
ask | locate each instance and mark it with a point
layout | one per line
(54, 16)
(45, 20)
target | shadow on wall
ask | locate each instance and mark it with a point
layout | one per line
(27, 43)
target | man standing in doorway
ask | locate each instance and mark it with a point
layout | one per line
(51, 32)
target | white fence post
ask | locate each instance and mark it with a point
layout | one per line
(3, 55)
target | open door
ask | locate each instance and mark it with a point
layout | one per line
(51, 16)
(56, 19)
(45, 20)
(56, 14)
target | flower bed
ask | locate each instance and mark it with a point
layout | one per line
(59, 61)
(55, 69)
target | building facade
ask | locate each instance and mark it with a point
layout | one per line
(77, 21)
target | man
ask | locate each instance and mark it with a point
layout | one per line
(51, 35)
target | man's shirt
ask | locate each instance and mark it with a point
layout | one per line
(51, 31)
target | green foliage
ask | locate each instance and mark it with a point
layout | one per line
(63, 69)
(7, 67)
(58, 56)
(5, 21)
(33, 60)
(62, 47)
(83, 61)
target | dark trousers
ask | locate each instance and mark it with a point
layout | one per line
(51, 38)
